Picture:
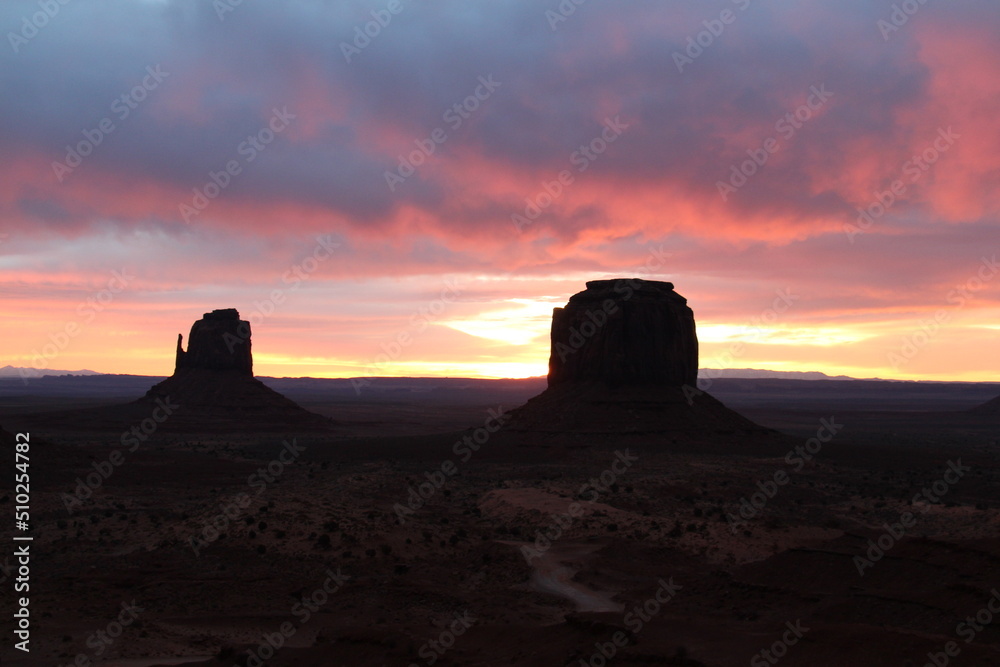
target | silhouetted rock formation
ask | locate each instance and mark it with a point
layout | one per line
(988, 408)
(624, 360)
(625, 332)
(214, 388)
(219, 341)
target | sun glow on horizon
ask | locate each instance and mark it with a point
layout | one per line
(524, 324)
(277, 366)
(778, 335)
(343, 271)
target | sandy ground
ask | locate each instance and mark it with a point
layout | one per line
(321, 561)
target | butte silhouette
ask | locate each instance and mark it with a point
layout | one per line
(624, 360)
(214, 387)
(991, 407)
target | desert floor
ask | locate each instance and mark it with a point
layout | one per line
(517, 553)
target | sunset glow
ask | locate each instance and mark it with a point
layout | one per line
(864, 244)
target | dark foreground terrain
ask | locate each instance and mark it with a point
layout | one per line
(866, 532)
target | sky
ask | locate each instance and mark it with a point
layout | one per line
(399, 187)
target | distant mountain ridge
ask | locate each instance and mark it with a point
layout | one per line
(20, 372)
(755, 374)
(736, 373)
